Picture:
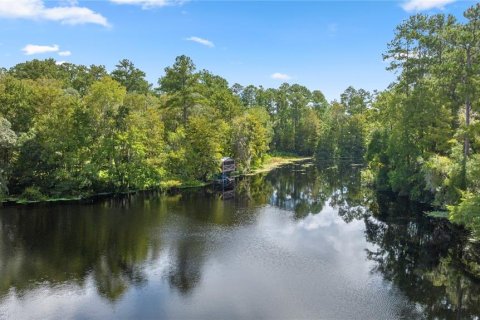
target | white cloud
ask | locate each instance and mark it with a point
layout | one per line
(280, 76)
(65, 53)
(68, 13)
(30, 49)
(147, 4)
(421, 5)
(74, 15)
(59, 63)
(205, 42)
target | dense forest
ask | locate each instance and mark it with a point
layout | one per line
(424, 130)
(72, 130)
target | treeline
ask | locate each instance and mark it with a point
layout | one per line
(72, 130)
(424, 130)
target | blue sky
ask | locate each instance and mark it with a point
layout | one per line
(325, 45)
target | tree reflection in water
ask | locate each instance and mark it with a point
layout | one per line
(430, 260)
(61, 244)
(423, 257)
(112, 242)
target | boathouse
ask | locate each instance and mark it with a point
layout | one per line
(228, 165)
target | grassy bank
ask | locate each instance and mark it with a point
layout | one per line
(275, 161)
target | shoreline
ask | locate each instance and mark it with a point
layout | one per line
(275, 162)
(272, 163)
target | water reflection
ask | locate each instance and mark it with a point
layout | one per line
(304, 241)
(69, 243)
(424, 259)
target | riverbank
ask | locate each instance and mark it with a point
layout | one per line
(274, 162)
(270, 163)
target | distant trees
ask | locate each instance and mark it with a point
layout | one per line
(295, 113)
(342, 132)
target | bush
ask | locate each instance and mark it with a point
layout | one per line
(32, 194)
(467, 213)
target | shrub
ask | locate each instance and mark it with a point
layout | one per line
(32, 194)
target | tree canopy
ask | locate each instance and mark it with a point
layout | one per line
(72, 130)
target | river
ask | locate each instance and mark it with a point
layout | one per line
(301, 242)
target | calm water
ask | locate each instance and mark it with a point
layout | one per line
(300, 242)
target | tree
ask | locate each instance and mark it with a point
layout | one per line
(36, 69)
(248, 96)
(299, 98)
(132, 78)
(252, 133)
(104, 101)
(355, 101)
(8, 139)
(139, 152)
(465, 53)
(204, 150)
(17, 103)
(180, 83)
(218, 96)
(319, 103)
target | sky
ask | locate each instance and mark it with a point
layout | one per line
(324, 45)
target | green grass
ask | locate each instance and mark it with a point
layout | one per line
(275, 161)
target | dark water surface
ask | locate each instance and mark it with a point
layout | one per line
(298, 243)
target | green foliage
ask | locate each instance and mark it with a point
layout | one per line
(423, 132)
(176, 153)
(420, 137)
(204, 149)
(342, 134)
(8, 140)
(217, 95)
(308, 132)
(37, 69)
(251, 133)
(180, 84)
(31, 194)
(17, 102)
(295, 114)
(77, 77)
(132, 78)
(355, 101)
(441, 179)
(473, 172)
(467, 213)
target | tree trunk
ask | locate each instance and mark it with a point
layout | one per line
(459, 298)
(466, 146)
(468, 107)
